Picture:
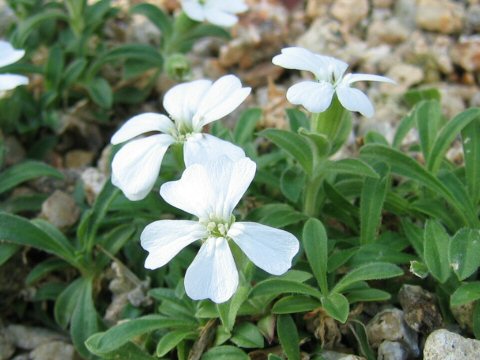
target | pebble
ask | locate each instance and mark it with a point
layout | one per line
(405, 75)
(333, 355)
(350, 12)
(473, 18)
(76, 159)
(55, 350)
(391, 31)
(443, 16)
(60, 210)
(29, 338)
(420, 309)
(392, 350)
(445, 345)
(390, 325)
(7, 347)
(93, 182)
(14, 151)
(323, 37)
(466, 53)
(464, 315)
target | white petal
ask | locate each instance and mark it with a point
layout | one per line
(182, 101)
(231, 6)
(354, 100)
(351, 78)
(212, 189)
(193, 9)
(141, 124)
(136, 165)
(11, 81)
(9, 55)
(314, 96)
(166, 238)
(332, 69)
(224, 96)
(300, 59)
(202, 148)
(270, 249)
(212, 274)
(219, 17)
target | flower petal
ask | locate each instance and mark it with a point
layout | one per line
(270, 249)
(193, 9)
(299, 58)
(351, 78)
(224, 96)
(314, 96)
(8, 54)
(182, 100)
(141, 124)
(332, 69)
(136, 165)
(231, 6)
(202, 148)
(212, 189)
(354, 100)
(166, 238)
(11, 81)
(212, 274)
(220, 17)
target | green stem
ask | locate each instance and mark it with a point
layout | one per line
(310, 200)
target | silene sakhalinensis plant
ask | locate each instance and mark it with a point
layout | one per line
(312, 241)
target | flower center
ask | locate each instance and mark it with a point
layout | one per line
(219, 228)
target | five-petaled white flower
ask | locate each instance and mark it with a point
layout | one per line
(9, 55)
(210, 191)
(191, 105)
(316, 96)
(218, 12)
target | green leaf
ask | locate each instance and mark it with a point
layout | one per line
(21, 232)
(315, 242)
(373, 196)
(54, 68)
(319, 144)
(464, 252)
(7, 251)
(128, 351)
(161, 20)
(436, 244)
(228, 310)
(292, 183)
(245, 126)
(360, 332)
(337, 306)
(277, 215)
(447, 134)
(288, 337)
(100, 92)
(295, 304)
(465, 294)
(84, 322)
(67, 301)
(247, 335)
(418, 269)
(225, 352)
(170, 340)
(294, 144)
(73, 71)
(297, 119)
(351, 167)
(274, 286)
(25, 27)
(25, 171)
(415, 96)
(363, 295)
(372, 271)
(428, 116)
(406, 124)
(471, 153)
(43, 269)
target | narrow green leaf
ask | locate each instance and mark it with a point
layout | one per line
(7, 251)
(295, 304)
(294, 144)
(406, 124)
(351, 167)
(288, 337)
(292, 183)
(436, 244)
(464, 252)
(467, 292)
(25, 27)
(25, 171)
(161, 20)
(428, 116)
(372, 271)
(228, 310)
(337, 306)
(170, 340)
(247, 335)
(225, 352)
(67, 301)
(43, 269)
(246, 124)
(100, 92)
(414, 96)
(419, 269)
(54, 68)
(363, 295)
(471, 153)
(277, 215)
(275, 286)
(315, 242)
(129, 351)
(297, 119)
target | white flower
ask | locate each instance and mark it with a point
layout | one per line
(218, 12)
(9, 55)
(316, 96)
(191, 105)
(211, 191)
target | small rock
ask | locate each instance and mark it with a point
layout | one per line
(93, 182)
(22, 357)
(392, 350)
(464, 315)
(466, 53)
(29, 338)
(317, 8)
(391, 31)
(55, 350)
(405, 75)
(350, 12)
(323, 37)
(60, 210)
(475, 100)
(420, 309)
(7, 16)
(14, 151)
(141, 30)
(333, 355)
(443, 16)
(445, 345)
(473, 18)
(406, 11)
(7, 347)
(382, 3)
(78, 159)
(390, 325)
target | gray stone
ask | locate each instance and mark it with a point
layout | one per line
(14, 151)
(405, 75)
(445, 345)
(406, 11)
(29, 338)
(390, 325)
(350, 12)
(55, 350)
(60, 210)
(333, 355)
(7, 347)
(75, 159)
(466, 53)
(443, 16)
(464, 314)
(392, 350)
(391, 31)
(473, 18)
(93, 181)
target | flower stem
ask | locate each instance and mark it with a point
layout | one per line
(310, 200)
